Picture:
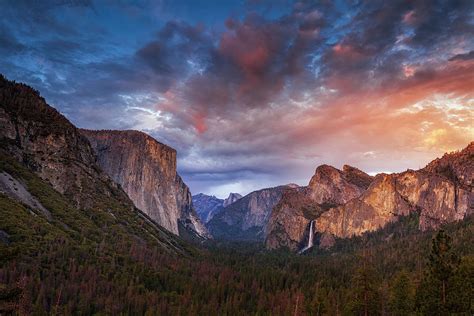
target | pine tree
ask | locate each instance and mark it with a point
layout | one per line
(461, 298)
(365, 293)
(443, 262)
(433, 296)
(401, 300)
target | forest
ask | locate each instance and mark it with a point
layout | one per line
(397, 271)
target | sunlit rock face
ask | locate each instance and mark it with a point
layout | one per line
(438, 201)
(349, 202)
(333, 186)
(379, 205)
(329, 187)
(289, 222)
(146, 170)
(457, 166)
(247, 218)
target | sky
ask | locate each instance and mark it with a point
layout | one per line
(254, 94)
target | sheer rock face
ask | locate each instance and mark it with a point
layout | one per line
(332, 186)
(456, 166)
(233, 197)
(436, 198)
(289, 222)
(146, 170)
(379, 205)
(441, 192)
(329, 187)
(247, 218)
(46, 142)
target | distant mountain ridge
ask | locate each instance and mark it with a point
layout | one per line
(247, 218)
(207, 206)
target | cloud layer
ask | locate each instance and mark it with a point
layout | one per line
(258, 94)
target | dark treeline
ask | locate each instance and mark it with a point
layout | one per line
(246, 280)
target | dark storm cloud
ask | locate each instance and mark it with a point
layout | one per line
(247, 66)
(438, 20)
(168, 56)
(39, 16)
(8, 42)
(263, 97)
(467, 56)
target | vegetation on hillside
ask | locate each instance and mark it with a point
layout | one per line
(89, 262)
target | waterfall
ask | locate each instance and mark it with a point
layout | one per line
(310, 238)
(311, 235)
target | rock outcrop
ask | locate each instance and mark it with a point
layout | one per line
(49, 167)
(14, 189)
(247, 218)
(146, 170)
(333, 186)
(438, 200)
(349, 203)
(329, 187)
(39, 137)
(456, 166)
(233, 197)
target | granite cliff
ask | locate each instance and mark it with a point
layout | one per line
(329, 187)
(233, 197)
(349, 203)
(49, 175)
(42, 139)
(146, 170)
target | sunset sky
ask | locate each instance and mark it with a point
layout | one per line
(256, 93)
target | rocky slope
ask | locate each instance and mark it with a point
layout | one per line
(246, 219)
(441, 192)
(48, 168)
(233, 197)
(207, 206)
(146, 170)
(41, 138)
(289, 222)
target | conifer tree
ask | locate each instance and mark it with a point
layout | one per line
(365, 293)
(433, 296)
(401, 300)
(443, 262)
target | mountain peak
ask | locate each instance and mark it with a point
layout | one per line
(231, 199)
